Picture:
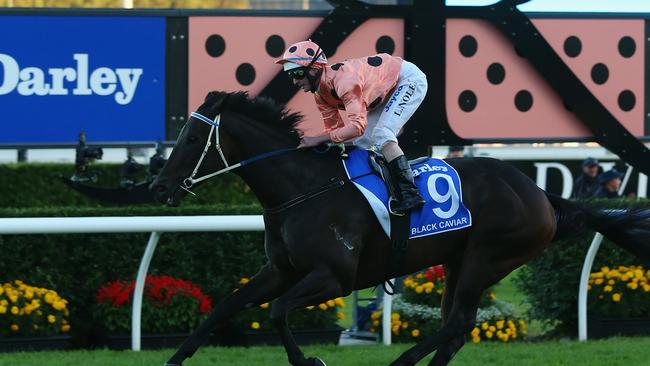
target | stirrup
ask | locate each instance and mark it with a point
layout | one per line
(390, 208)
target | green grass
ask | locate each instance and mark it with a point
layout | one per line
(612, 352)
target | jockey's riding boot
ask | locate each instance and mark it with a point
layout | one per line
(406, 194)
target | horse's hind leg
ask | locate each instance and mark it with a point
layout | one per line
(475, 276)
(317, 287)
(266, 285)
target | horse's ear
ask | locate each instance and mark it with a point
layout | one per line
(215, 100)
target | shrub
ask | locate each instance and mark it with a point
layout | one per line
(550, 281)
(168, 305)
(31, 311)
(623, 292)
(322, 316)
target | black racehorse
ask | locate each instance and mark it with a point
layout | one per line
(323, 241)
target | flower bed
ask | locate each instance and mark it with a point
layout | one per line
(169, 305)
(622, 292)
(31, 311)
(416, 312)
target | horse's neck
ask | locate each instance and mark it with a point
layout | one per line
(278, 180)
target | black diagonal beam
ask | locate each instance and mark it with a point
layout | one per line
(331, 32)
(607, 130)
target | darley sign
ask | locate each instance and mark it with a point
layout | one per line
(63, 74)
(120, 82)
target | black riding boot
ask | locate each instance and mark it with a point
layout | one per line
(406, 194)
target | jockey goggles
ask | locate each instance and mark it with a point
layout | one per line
(297, 74)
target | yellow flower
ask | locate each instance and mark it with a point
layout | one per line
(65, 328)
(14, 310)
(489, 334)
(493, 296)
(13, 298)
(632, 285)
(322, 306)
(244, 281)
(255, 325)
(405, 325)
(492, 328)
(500, 324)
(3, 310)
(475, 332)
(415, 333)
(331, 303)
(484, 325)
(607, 288)
(58, 305)
(394, 316)
(599, 281)
(375, 323)
(340, 315)
(428, 290)
(51, 318)
(616, 297)
(375, 315)
(310, 307)
(14, 327)
(340, 302)
(419, 289)
(266, 305)
(476, 339)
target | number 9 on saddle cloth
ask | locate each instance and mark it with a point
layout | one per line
(438, 182)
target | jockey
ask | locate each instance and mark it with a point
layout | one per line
(378, 93)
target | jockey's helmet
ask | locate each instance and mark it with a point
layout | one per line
(303, 54)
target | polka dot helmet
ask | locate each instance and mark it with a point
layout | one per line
(303, 54)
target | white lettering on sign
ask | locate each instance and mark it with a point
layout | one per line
(103, 81)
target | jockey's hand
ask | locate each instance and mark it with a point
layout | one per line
(310, 141)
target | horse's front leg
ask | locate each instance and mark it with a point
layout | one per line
(266, 285)
(317, 287)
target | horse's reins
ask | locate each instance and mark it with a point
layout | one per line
(189, 182)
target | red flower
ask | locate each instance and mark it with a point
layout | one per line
(159, 288)
(435, 272)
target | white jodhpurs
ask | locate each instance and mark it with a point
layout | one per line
(387, 119)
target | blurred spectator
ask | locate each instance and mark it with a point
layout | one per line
(157, 161)
(586, 185)
(130, 170)
(456, 152)
(610, 182)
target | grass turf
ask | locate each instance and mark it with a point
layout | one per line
(612, 352)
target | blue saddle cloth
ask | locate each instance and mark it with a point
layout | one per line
(438, 182)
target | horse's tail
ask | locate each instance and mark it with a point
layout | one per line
(629, 228)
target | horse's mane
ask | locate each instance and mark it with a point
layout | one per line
(263, 109)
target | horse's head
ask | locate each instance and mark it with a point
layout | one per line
(201, 148)
(210, 144)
